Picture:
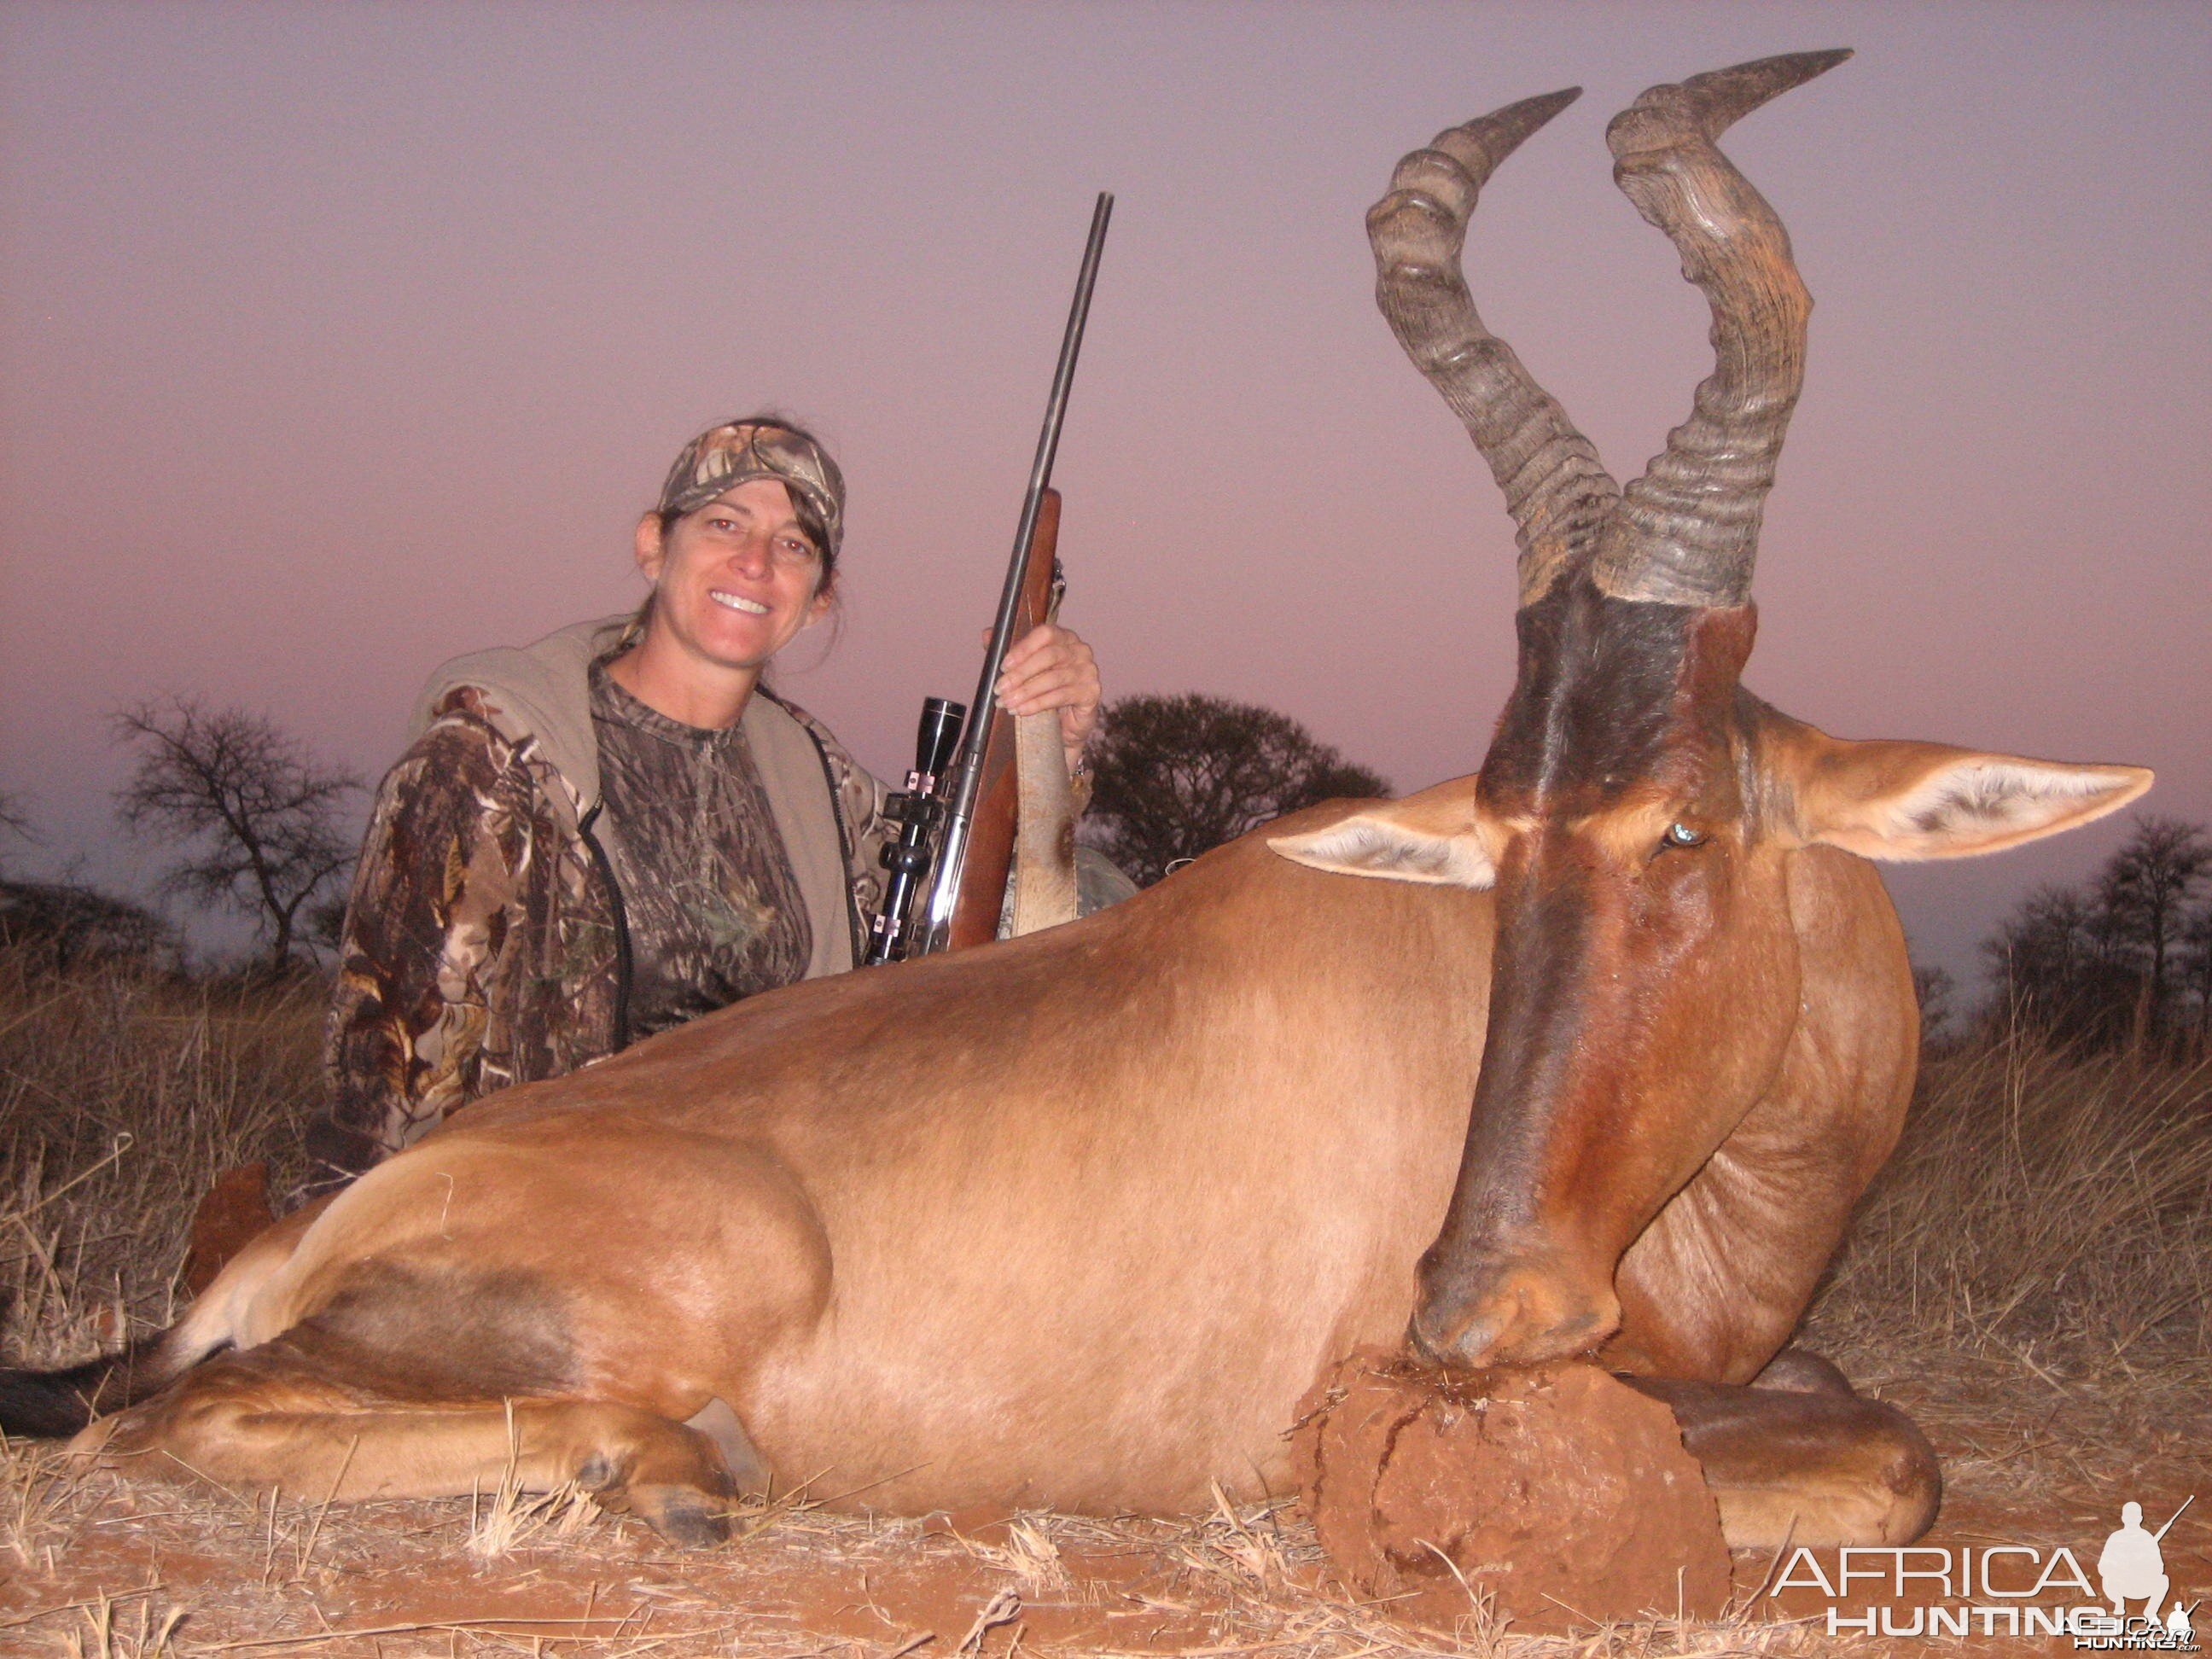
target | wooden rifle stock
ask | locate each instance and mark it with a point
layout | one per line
(971, 880)
(990, 854)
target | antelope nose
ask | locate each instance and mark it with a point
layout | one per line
(1512, 1315)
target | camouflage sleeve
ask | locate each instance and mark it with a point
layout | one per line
(430, 911)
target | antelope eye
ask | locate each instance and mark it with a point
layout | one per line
(1680, 834)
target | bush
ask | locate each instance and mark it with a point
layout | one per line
(1175, 777)
(59, 927)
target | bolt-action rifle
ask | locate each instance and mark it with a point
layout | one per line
(957, 812)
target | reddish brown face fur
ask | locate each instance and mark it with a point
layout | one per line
(1643, 989)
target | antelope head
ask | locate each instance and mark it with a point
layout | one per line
(1638, 809)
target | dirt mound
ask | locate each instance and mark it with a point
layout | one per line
(1560, 1493)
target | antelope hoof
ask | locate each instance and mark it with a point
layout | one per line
(676, 1484)
(686, 1516)
(1805, 1465)
(1522, 1316)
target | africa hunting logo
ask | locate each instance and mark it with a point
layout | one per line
(2007, 1589)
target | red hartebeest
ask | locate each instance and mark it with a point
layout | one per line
(1599, 1065)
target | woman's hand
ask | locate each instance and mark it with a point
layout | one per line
(1049, 667)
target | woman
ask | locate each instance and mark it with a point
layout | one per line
(619, 828)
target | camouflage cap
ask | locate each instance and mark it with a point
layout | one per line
(738, 452)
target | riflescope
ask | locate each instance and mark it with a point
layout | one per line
(918, 810)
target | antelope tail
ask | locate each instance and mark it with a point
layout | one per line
(44, 1405)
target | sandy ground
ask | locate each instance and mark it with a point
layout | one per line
(100, 1566)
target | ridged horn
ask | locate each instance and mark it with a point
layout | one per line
(1558, 491)
(1687, 530)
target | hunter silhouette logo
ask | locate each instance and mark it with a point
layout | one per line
(2133, 1569)
(2010, 1589)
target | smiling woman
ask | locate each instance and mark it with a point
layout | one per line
(733, 583)
(742, 554)
(618, 829)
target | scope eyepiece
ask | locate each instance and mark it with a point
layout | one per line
(939, 734)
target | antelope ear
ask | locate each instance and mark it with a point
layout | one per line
(1429, 837)
(1927, 800)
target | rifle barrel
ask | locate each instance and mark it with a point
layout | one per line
(969, 772)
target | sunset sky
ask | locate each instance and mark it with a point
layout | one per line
(336, 339)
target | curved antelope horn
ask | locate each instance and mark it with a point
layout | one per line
(1558, 491)
(1688, 529)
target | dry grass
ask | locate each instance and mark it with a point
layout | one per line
(2050, 1211)
(511, 1517)
(122, 1096)
(1243, 1580)
(132, 1631)
(2030, 1278)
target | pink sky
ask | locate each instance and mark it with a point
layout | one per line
(339, 339)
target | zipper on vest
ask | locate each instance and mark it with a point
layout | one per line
(847, 847)
(604, 866)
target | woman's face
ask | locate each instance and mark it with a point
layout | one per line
(734, 581)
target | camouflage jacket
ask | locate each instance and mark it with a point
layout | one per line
(484, 942)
